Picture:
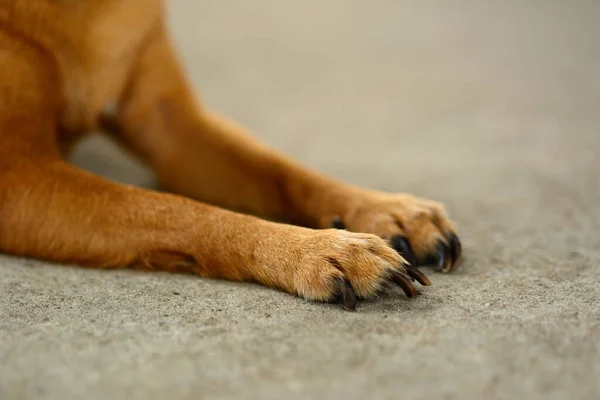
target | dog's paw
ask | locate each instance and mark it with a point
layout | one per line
(418, 229)
(339, 266)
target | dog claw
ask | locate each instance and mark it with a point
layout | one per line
(346, 292)
(446, 260)
(455, 248)
(420, 277)
(442, 258)
(402, 246)
(404, 282)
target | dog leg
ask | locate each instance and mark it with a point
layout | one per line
(204, 156)
(53, 211)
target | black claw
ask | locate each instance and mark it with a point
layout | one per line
(337, 223)
(442, 258)
(420, 277)
(347, 294)
(404, 282)
(402, 246)
(455, 248)
(445, 258)
(445, 261)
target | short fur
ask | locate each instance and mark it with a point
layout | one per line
(69, 67)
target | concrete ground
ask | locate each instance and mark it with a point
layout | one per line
(490, 107)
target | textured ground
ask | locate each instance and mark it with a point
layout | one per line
(493, 109)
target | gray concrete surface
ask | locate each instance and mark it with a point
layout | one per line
(492, 108)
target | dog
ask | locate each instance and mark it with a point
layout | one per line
(235, 209)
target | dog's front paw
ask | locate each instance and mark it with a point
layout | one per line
(418, 229)
(335, 265)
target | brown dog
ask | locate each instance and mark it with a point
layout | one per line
(68, 67)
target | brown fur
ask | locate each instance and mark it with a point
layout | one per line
(68, 67)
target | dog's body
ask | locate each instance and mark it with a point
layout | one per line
(68, 67)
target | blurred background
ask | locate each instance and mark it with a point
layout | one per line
(488, 106)
(491, 107)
